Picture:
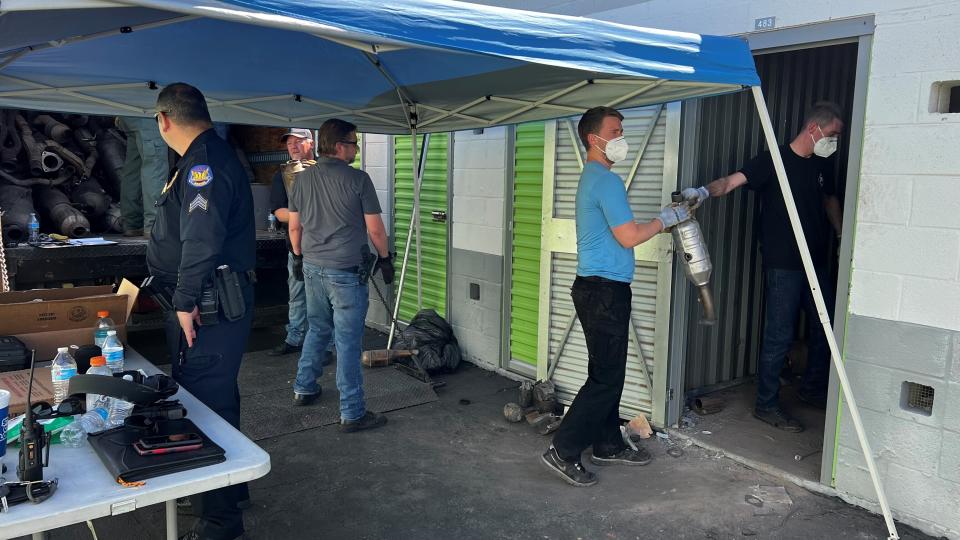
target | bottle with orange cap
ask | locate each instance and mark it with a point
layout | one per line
(104, 325)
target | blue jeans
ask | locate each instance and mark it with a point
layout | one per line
(297, 313)
(336, 307)
(786, 293)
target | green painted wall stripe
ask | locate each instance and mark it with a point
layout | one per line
(525, 256)
(433, 196)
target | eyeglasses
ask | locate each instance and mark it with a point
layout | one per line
(355, 143)
(156, 116)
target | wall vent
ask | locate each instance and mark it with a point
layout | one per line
(945, 97)
(916, 398)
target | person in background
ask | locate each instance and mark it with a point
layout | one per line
(144, 172)
(786, 289)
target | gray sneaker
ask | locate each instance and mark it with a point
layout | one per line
(370, 420)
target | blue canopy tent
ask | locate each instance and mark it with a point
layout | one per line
(404, 66)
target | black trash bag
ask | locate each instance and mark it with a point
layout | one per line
(433, 337)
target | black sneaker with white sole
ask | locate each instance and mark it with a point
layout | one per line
(572, 472)
(627, 456)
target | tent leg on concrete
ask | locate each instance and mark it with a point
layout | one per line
(419, 163)
(821, 305)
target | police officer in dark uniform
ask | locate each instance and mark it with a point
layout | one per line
(204, 222)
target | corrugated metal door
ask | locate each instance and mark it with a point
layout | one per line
(525, 251)
(650, 173)
(728, 134)
(433, 232)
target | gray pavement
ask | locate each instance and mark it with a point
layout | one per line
(455, 469)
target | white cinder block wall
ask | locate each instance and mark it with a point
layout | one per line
(904, 314)
(479, 181)
(377, 159)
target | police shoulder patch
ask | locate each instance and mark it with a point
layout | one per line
(200, 176)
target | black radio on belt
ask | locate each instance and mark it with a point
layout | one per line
(231, 293)
(208, 305)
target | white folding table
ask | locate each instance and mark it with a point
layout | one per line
(87, 491)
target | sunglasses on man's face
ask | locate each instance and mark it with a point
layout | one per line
(355, 143)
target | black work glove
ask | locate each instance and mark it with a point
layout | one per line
(385, 265)
(298, 267)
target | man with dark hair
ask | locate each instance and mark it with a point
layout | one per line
(333, 210)
(204, 222)
(299, 143)
(606, 236)
(810, 176)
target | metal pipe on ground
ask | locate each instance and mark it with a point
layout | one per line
(56, 209)
(16, 202)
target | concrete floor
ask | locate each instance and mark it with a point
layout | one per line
(456, 469)
(735, 430)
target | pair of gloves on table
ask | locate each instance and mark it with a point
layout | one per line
(384, 265)
(672, 215)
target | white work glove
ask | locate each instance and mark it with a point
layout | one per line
(694, 197)
(672, 215)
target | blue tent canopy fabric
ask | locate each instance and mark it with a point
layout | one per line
(386, 66)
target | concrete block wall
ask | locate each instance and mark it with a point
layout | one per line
(377, 161)
(905, 287)
(479, 180)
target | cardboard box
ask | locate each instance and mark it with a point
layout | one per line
(45, 319)
(17, 382)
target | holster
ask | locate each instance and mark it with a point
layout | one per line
(159, 293)
(230, 288)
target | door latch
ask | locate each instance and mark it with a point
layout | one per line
(439, 216)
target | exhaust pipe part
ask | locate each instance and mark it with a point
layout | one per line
(112, 220)
(64, 175)
(52, 128)
(90, 198)
(10, 144)
(50, 162)
(33, 148)
(112, 148)
(691, 248)
(16, 203)
(55, 207)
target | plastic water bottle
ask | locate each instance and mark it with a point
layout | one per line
(34, 226)
(72, 436)
(94, 420)
(113, 352)
(104, 325)
(98, 366)
(119, 409)
(63, 367)
(271, 222)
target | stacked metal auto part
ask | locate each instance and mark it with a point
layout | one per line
(63, 167)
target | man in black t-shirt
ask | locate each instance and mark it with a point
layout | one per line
(299, 143)
(786, 289)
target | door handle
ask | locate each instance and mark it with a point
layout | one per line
(439, 216)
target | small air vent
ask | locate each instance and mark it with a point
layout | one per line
(916, 398)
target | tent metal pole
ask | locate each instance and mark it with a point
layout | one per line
(419, 160)
(821, 306)
(419, 163)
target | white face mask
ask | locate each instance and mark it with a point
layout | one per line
(617, 149)
(826, 146)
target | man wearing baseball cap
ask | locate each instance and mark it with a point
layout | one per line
(300, 146)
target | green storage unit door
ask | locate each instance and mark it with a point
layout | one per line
(525, 254)
(433, 234)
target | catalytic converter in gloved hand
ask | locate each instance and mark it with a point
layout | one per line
(691, 248)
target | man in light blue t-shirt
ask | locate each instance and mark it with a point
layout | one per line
(606, 236)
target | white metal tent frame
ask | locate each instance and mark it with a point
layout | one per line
(419, 117)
